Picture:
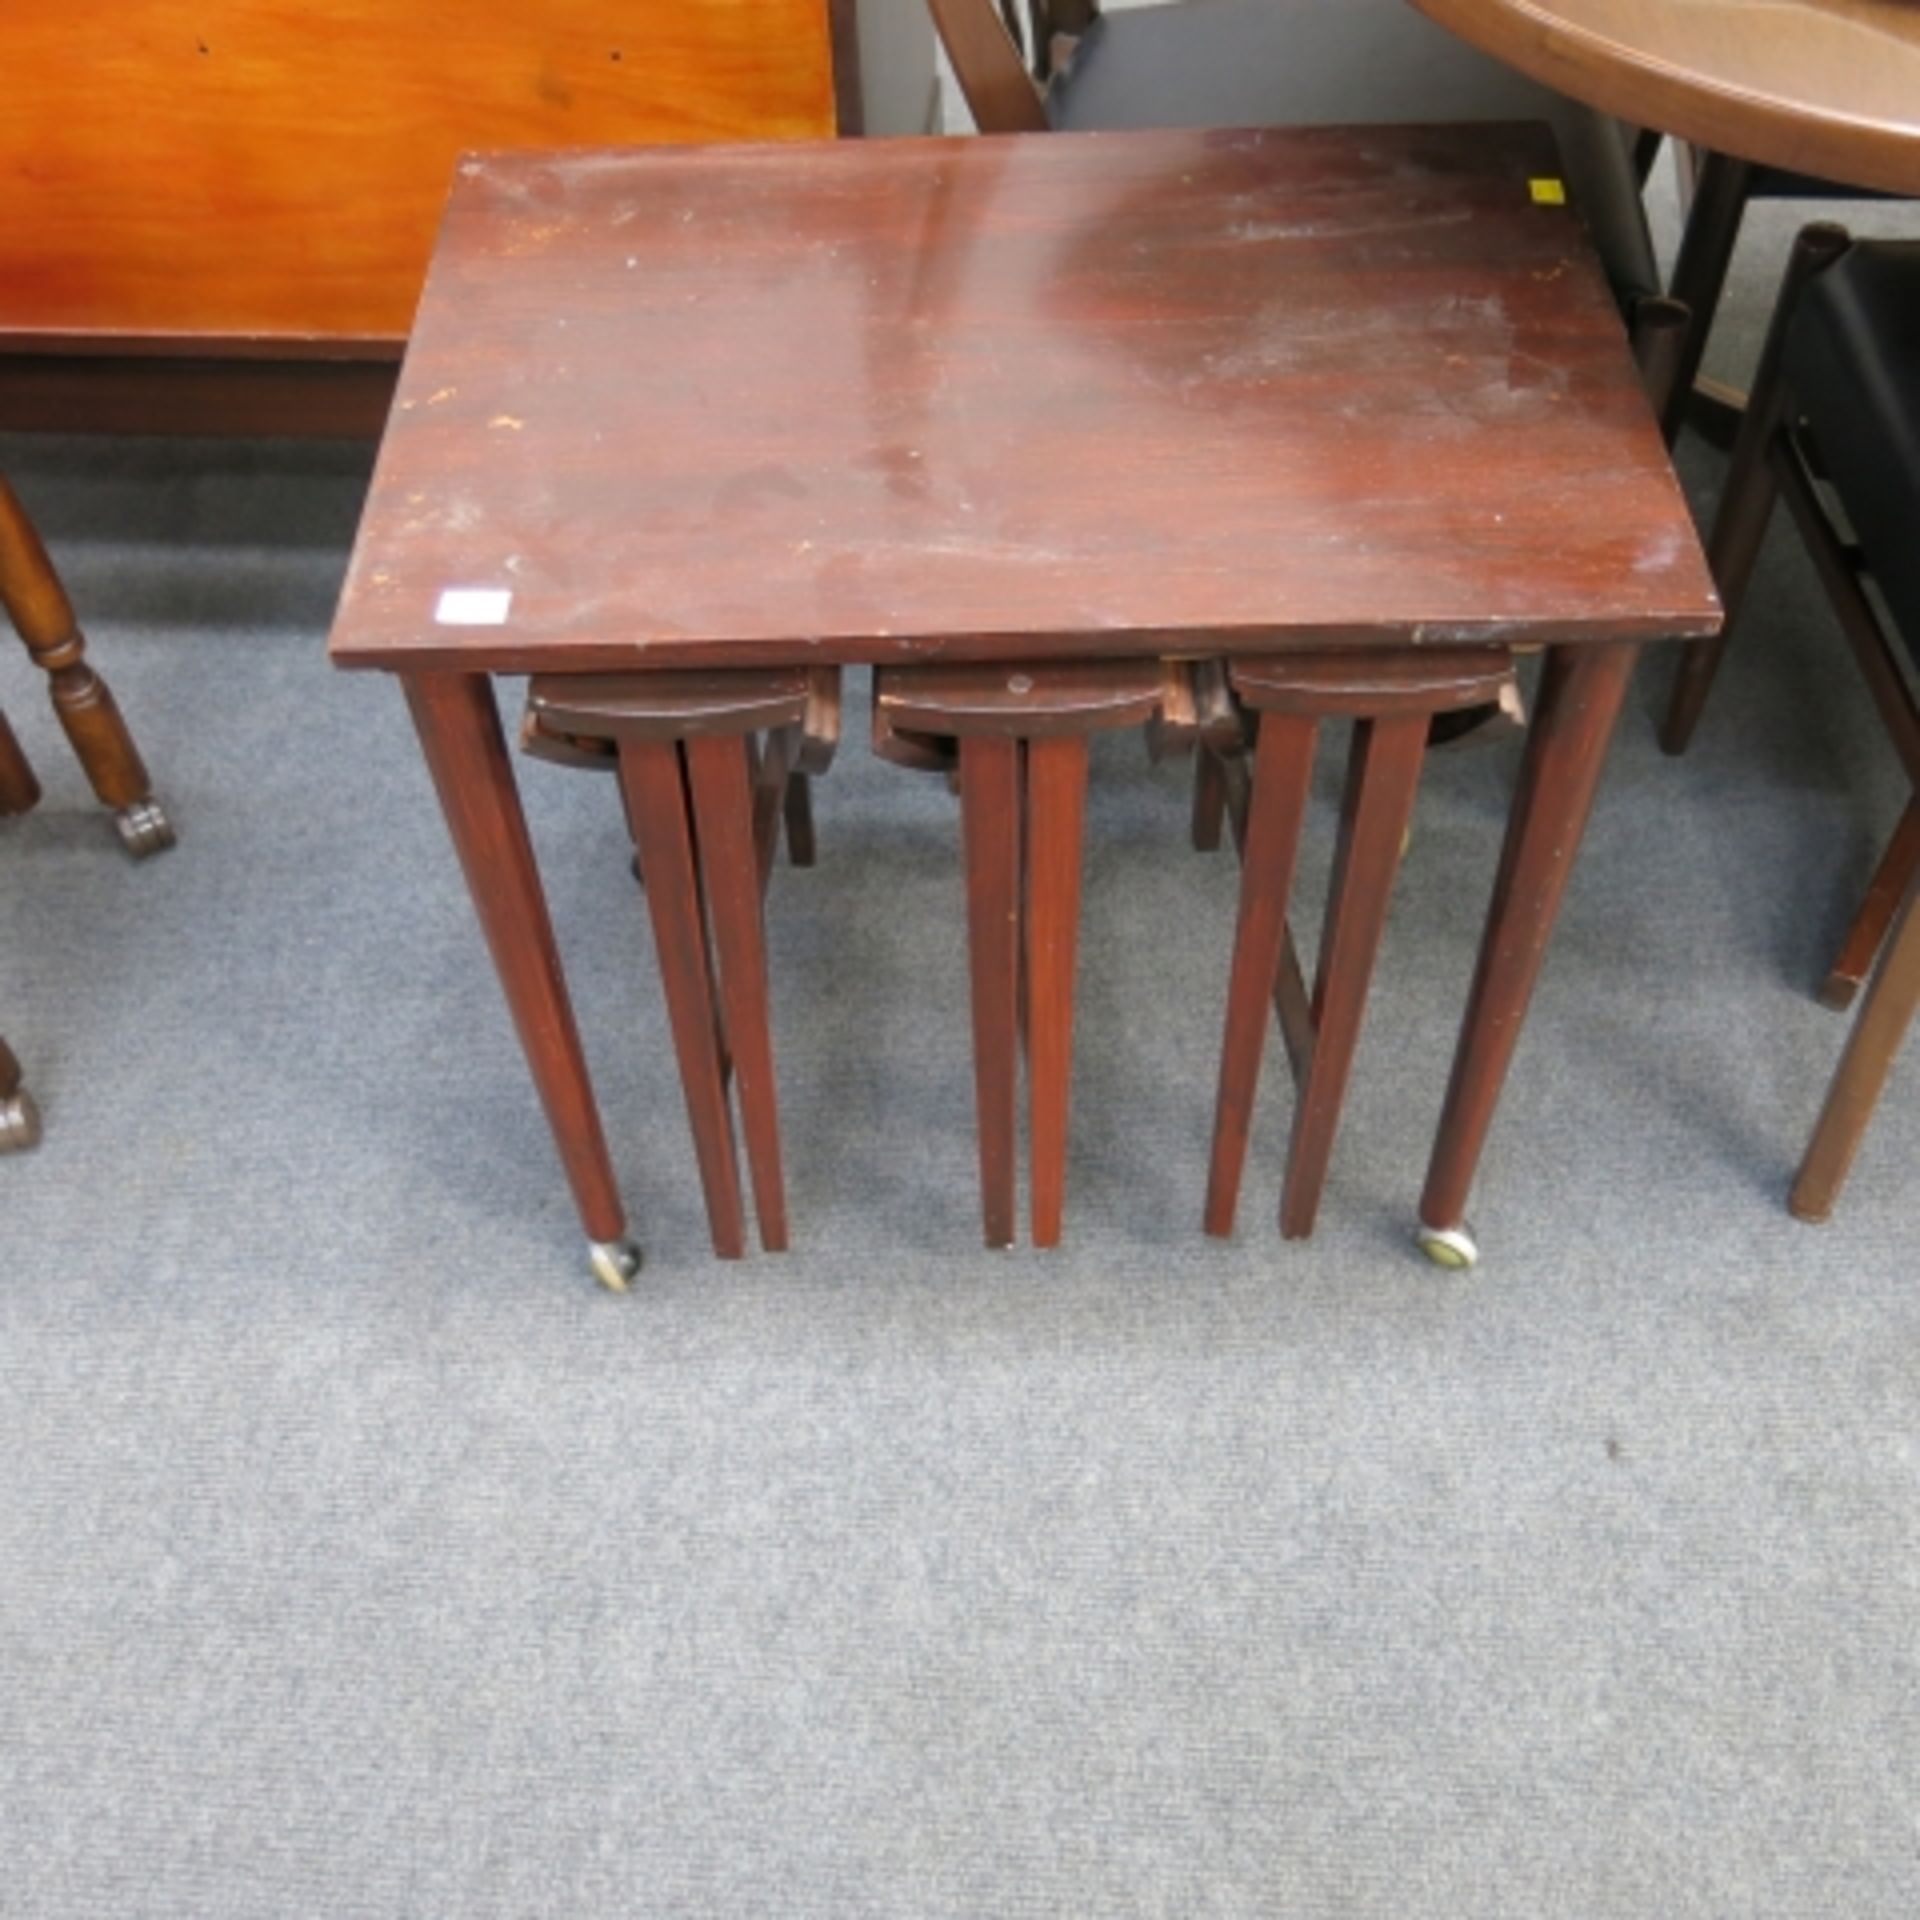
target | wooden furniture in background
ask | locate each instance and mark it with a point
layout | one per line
(19, 1117)
(1840, 376)
(221, 215)
(42, 615)
(1020, 737)
(709, 764)
(1024, 401)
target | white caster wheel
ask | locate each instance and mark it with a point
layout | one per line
(144, 828)
(1454, 1248)
(19, 1124)
(613, 1263)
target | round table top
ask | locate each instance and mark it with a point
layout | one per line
(1827, 87)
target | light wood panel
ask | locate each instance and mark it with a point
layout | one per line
(241, 167)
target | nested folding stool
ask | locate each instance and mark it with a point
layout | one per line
(709, 765)
(1019, 736)
(43, 616)
(1391, 700)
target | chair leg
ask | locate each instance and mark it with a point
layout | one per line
(1276, 810)
(798, 809)
(19, 1117)
(1877, 1033)
(1209, 799)
(723, 825)
(1056, 816)
(19, 790)
(1868, 934)
(43, 616)
(1700, 272)
(1383, 776)
(1746, 503)
(651, 774)
(990, 821)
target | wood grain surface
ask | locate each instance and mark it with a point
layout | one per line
(256, 167)
(1097, 394)
(1827, 87)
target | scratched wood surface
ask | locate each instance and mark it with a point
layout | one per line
(1827, 87)
(251, 167)
(1091, 394)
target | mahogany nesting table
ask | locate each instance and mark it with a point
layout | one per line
(1077, 397)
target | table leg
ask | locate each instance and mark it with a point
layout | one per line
(1056, 816)
(19, 790)
(1579, 702)
(459, 728)
(990, 813)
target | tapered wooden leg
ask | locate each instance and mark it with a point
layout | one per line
(990, 814)
(1700, 271)
(798, 809)
(1056, 818)
(1276, 810)
(1579, 702)
(723, 825)
(459, 729)
(1209, 799)
(1383, 775)
(651, 772)
(1885, 891)
(19, 1117)
(19, 790)
(1881, 1025)
(38, 606)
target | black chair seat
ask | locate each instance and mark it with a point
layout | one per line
(1853, 366)
(1226, 63)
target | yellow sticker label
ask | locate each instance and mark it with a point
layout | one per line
(1548, 193)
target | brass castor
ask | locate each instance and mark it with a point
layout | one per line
(1454, 1248)
(144, 828)
(19, 1123)
(613, 1263)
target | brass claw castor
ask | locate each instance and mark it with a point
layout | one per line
(144, 828)
(613, 1263)
(1454, 1248)
(19, 1123)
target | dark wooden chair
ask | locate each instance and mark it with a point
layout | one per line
(43, 616)
(1837, 394)
(1018, 737)
(710, 765)
(1228, 63)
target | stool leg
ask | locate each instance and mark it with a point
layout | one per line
(1209, 799)
(38, 606)
(1056, 816)
(1885, 891)
(723, 815)
(650, 772)
(19, 790)
(990, 820)
(1383, 775)
(1276, 810)
(19, 1118)
(1877, 1033)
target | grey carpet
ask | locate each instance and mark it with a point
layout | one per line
(357, 1558)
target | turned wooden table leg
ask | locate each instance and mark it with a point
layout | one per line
(38, 606)
(459, 728)
(1276, 811)
(1579, 702)
(990, 805)
(19, 790)
(720, 779)
(19, 1117)
(1056, 813)
(652, 773)
(1878, 1030)
(1383, 776)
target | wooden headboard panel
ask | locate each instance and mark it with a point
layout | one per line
(272, 171)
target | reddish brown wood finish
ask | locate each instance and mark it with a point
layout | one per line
(1056, 816)
(459, 729)
(1868, 934)
(990, 780)
(1002, 398)
(1828, 87)
(19, 790)
(1574, 715)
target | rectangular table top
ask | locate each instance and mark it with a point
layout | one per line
(1177, 392)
